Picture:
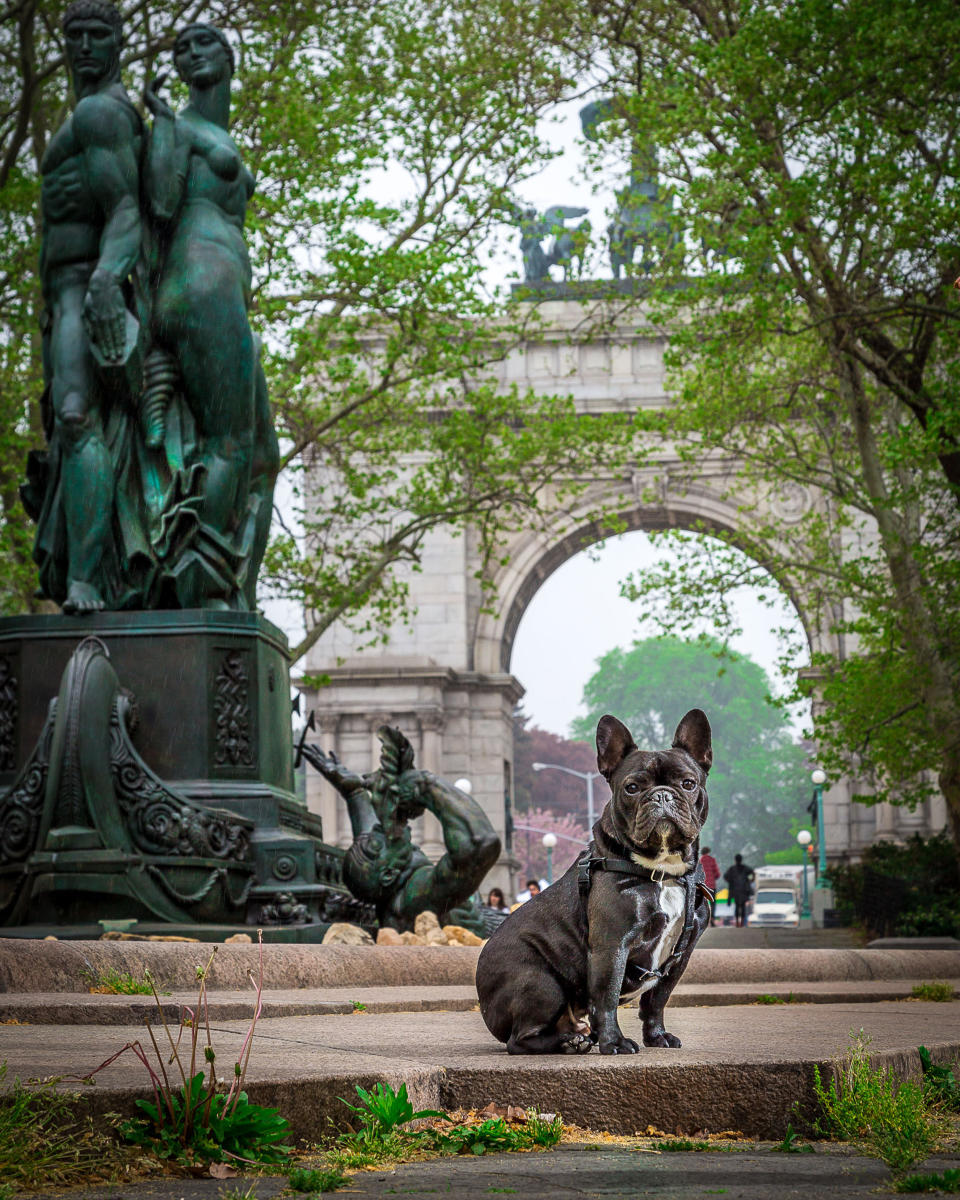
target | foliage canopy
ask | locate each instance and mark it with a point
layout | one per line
(808, 159)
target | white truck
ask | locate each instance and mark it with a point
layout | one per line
(775, 902)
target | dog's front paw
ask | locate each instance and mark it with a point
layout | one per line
(659, 1037)
(619, 1045)
(577, 1043)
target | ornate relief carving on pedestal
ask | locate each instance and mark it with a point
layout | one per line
(234, 736)
(8, 714)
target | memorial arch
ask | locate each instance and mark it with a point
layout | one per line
(446, 680)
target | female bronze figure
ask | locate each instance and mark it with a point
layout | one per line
(220, 441)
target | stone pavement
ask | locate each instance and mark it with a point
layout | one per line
(740, 1067)
(335, 1017)
(581, 1171)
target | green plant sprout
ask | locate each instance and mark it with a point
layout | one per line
(938, 992)
(195, 1121)
(112, 982)
(862, 1104)
(791, 1144)
(946, 1181)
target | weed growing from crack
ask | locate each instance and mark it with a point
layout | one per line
(112, 982)
(938, 992)
(872, 1106)
(47, 1140)
(947, 1181)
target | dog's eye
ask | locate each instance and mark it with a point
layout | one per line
(631, 787)
(688, 784)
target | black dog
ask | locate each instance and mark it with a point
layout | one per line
(624, 918)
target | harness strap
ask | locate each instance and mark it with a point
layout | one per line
(693, 883)
(620, 866)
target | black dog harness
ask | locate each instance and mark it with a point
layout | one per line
(693, 882)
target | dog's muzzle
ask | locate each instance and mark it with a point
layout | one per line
(661, 808)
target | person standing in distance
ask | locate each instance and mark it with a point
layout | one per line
(739, 879)
(711, 873)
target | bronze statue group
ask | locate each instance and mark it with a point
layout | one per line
(155, 490)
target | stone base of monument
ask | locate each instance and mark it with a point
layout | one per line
(146, 770)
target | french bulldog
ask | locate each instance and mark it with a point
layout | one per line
(622, 922)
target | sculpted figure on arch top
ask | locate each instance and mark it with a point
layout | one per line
(156, 487)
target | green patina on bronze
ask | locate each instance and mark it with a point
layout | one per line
(145, 754)
(383, 867)
(156, 488)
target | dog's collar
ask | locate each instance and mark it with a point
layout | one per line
(625, 866)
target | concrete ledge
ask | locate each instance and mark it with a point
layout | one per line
(770, 966)
(739, 1068)
(39, 966)
(70, 1008)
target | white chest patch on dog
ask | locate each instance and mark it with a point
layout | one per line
(673, 903)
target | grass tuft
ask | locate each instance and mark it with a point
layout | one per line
(937, 992)
(112, 982)
(872, 1106)
(791, 1144)
(680, 1144)
(313, 1180)
(948, 1181)
(47, 1140)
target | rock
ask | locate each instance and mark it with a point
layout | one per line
(412, 939)
(388, 937)
(458, 936)
(237, 937)
(51, 937)
(341, 933)
(425, 922)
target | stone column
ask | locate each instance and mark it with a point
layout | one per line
(431, 752)
(332, 811)
(886, 823)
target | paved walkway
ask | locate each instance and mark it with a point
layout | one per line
(571, 1172)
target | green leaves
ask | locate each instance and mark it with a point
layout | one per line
(382, 1110)
(216, 1132)
(811, 153)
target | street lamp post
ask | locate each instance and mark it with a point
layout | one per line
(549, 841)
(819, 778)
(589, 776)
(804, 837)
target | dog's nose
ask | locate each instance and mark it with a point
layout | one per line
(663, 796)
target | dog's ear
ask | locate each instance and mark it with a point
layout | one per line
(693, 735)
(614, 743)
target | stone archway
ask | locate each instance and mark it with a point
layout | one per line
(446, 680)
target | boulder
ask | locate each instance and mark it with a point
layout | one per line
(427, 926)
(341, 933)
(388, 937)
(237, 937)
(458, 936)
(412, 939)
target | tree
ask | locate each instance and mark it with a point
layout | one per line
(557, 791)
(572, 837)
(808, 155)
(758, 780)
(387, 137)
